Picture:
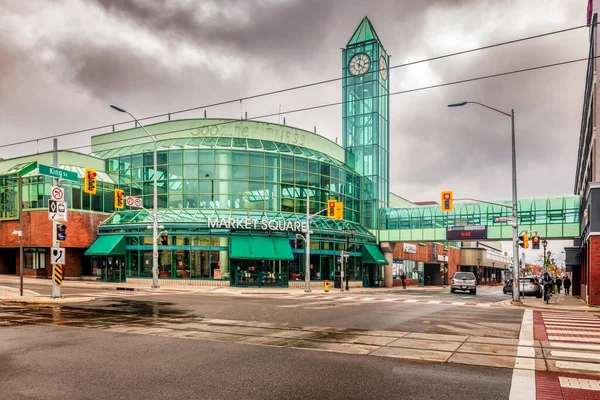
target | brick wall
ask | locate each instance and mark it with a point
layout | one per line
(82, 231)
(425, 253)
(594, 270)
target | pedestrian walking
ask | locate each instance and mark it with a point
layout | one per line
(403, 279)
(558, 284)
(567, 285)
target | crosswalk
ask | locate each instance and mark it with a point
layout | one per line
(571, 327)
(368, 299)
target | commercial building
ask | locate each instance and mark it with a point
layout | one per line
(583, 259)
(232, 194)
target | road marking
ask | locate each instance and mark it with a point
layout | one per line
(578, 365)
(576, 383)
(522, 386)
(576, 346)
(575, 354)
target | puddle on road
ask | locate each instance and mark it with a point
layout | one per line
(122, 311)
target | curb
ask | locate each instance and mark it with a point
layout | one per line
(45, 300)
(508, 303)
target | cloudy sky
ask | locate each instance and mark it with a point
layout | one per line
(65, 61)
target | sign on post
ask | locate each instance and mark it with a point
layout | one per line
(133, 201)
(57, 210)
(58, 255)
(57, 193)
(58, 173)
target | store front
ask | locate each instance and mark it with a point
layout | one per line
(260, 260)
(373, 262)
(109, 252)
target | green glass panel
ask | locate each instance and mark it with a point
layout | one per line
(224, 142)
(239, 142)
(268, 145)
(254, 144)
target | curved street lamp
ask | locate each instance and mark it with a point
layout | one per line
(155, 202)
(515, 222)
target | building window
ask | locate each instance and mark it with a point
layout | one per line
(34, 258)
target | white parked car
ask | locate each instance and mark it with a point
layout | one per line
(464, 281)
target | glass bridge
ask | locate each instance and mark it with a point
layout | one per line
(550, 217)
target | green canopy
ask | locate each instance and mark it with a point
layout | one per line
(372, 255)
(260, 248)
(107, 245)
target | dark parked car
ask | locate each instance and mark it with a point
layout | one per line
(528, 286)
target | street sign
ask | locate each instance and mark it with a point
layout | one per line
(58, 255)
(57, 193)
(503, 219)
(133, 201)
(469, 232)
(57, 210)
(58, 173)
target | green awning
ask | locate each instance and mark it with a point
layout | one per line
(260, 248)
(107, 245)
(372, 255)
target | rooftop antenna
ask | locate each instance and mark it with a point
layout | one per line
(279, 116)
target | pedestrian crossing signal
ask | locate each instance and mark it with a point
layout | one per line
(331, 208)
(89, 181)
(119, 198)
(447, 201)
(535, 242)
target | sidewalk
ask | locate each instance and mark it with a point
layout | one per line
(316, 287)
(13, 295)
(557, 302)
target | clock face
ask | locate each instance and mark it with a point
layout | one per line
(383, 68)
(359, 64)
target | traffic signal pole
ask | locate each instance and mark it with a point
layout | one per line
(55, 241)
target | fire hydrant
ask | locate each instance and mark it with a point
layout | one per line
(326, 285)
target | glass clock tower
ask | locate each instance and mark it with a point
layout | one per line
(365, 119)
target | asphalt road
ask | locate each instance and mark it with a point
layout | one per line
(52, 362)
(410, 317)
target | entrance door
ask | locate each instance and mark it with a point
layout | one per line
(371, 276)
(113, 269)
(275, 274)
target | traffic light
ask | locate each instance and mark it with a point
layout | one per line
(524, 241)
(339, 210)
(119, 198)
(447, 201)
(164, 239)
(61, 232)
(331, 208)
(89, 184)
(535, 242)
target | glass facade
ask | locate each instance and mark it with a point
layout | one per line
(365, 118)
(192, 175)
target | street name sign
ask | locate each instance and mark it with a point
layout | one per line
(58, 173)
(57, 210)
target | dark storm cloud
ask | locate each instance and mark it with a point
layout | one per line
(76, 72)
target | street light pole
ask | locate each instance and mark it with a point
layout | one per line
(155, 201)
(515, 222)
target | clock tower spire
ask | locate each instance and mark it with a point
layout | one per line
(365, 117)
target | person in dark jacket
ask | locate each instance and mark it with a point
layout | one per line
(567, 284)
(558, 284)
(403, 279)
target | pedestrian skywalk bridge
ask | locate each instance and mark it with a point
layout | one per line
(550, 217)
